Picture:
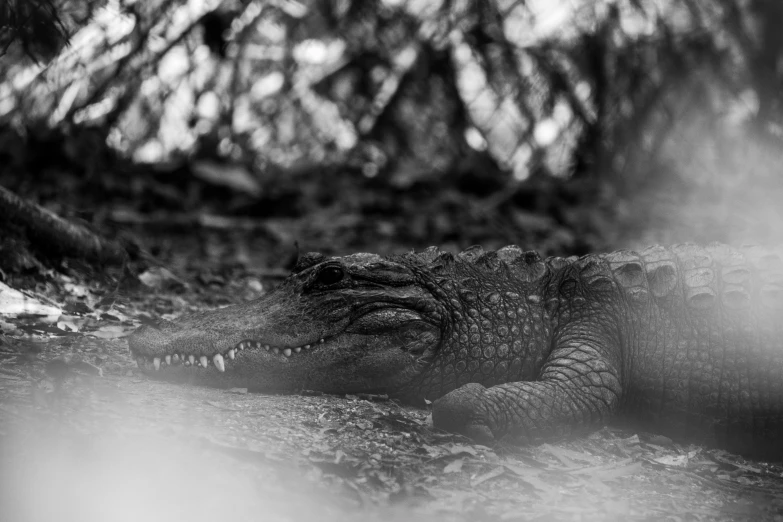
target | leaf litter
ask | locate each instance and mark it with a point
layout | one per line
(360, 455)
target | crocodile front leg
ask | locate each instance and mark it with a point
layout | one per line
(578, 389)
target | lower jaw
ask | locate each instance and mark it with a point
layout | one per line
(254, 382)
(193, 375)
(212, 378)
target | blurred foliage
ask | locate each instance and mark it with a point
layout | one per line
(40, 29)
(570, 125)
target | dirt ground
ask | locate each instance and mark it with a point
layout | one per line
(76, 445)
(85, 436)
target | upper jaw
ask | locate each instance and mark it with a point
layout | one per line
(217, 338)
(219, 359)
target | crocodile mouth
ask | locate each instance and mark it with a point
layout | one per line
(220, 360)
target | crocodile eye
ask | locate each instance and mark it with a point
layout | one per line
(330, 275)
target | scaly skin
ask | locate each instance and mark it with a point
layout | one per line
(686, 341)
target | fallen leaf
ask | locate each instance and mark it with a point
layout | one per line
(454, 466)
(676, 461)
(456, 449)
(111, 332)
(632, 440)
(67, 326)
(495, 472)
(13, 302)
(433, 451)
(530, 476)
(566, 456)
(42, 327)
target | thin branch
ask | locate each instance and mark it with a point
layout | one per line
(58, 235)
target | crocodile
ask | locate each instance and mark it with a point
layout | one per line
(686, 341)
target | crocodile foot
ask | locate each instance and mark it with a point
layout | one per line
(465, 410)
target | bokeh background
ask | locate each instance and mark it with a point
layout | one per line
(243, 127)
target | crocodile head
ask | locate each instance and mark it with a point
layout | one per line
(336, 324)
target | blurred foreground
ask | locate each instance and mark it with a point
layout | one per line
(126, 448)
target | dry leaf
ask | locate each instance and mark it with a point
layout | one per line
(456, 449)
(13, 302)
(454, 466)
(676, 461)
(111, 332)
(495, 472)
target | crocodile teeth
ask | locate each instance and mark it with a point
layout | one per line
(321, 340)
(299, 349)
(231, 354)
(140, 361)
(306, 346)
(203, 360)
(156, 363)
(192, 359)
(275, 350)
(266, 347)
(287, 352)
(175, 359)
(219, 363)
(168, 359)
